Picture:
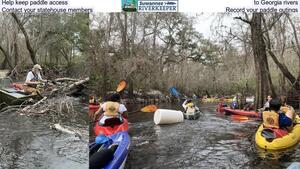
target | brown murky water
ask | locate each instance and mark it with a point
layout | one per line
(28, 142)
(212, 141)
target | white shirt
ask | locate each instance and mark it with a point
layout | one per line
(30, 76)
(189, 109)
(267, 105)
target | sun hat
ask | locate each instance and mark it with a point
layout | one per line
(37, 66)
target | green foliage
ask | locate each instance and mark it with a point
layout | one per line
(207, 53)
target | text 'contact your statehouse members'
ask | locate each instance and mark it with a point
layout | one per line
(40, 6)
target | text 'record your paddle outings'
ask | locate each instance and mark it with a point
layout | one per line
(41, 6)
(268, 6)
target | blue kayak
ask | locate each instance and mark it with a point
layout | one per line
(174, 92)
(109, 152)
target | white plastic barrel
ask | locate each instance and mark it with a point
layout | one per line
(166, 116)
(294, 165)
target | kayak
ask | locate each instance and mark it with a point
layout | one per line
(193, 116)
(18, 86)
(109, 152)
(113, 126)
(277, 139)
(94, 106)
(213, 100)
(241, 112)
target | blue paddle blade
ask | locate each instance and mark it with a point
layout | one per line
(174, 92)
(101, 139)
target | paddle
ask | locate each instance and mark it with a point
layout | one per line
(268, 134)
(146, 109)
(121, 86)
(149, 109)
(240, 118)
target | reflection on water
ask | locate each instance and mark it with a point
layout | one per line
(212, 141)
(28, 142)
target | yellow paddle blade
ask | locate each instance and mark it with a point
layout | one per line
(240, 118)
(148, 109)
(121, 85)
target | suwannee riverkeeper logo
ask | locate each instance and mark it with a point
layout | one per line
(157, 6)
(150, 5)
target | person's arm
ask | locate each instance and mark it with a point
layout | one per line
(41, 79)
(123, 110)
(184, 104)
(99, 111)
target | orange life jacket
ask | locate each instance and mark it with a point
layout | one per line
(271, 119)
(111, 109)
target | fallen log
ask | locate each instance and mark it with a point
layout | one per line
(63, 79)
(34, 105)
(58, 127)
(76, 84)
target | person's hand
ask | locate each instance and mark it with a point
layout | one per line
(96, 114)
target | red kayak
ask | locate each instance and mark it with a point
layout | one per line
(112, 126)
(94, 106)
(92, 109)
(241, 112)
(237, 111)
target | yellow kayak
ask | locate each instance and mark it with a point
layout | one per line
(214, 100)
(284, 142)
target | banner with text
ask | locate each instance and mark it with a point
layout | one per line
(89, 6)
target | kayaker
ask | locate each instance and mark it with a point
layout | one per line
(274, 118)
(95, 101)
(249, 104)
(234, 103)
(33, 79)
(222, 103)
(112, 109)
(189, 107)
(267, 104)
(287, 109)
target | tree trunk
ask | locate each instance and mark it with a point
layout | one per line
(6, 59)
(28, 45)
(16, 50)
(123, 27)
(130, 88)
(263, 77)
(133, 34)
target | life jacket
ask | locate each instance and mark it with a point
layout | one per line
(289, 111)
(35, 77)
(111, 109)
(271, 119)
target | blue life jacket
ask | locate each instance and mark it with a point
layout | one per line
(234, 104)
(284, 121)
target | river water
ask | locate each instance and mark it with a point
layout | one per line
(29, 142)
(213, 141)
